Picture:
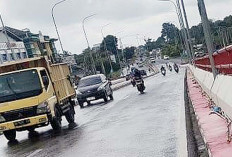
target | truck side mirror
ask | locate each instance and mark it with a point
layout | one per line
(45, 81)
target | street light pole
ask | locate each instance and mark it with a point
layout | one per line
(115, 43)
(57, 32)
(90, 52)
(207, 33)
(123, 57)
(111, 68)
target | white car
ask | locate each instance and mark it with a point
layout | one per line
(166, 57)
(152, 60)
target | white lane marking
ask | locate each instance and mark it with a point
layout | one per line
(125, 97)
(35, 152)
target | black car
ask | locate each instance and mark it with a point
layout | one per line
(92, 88)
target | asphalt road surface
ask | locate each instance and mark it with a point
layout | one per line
(132, 125)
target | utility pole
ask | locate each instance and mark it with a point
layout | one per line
(123, 57)
(89, 49)
(179, 12)
(207, 33)
(111, 67)
(115, 43)
(187, 30)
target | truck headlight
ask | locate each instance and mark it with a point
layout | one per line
(2, 119)
(43, 108)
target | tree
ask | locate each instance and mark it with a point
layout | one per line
(171, 50)
(111, 43)
(169, 32)
(129, 52)
(150, 45)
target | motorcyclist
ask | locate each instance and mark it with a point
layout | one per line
(137, 74)
(175, 65)
(176, 68)
(163, 70)
(170, 67)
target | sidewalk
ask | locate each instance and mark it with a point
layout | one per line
(213, 127)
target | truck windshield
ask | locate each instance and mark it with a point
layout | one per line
(90, 81)
(19, 85)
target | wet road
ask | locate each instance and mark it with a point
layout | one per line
(144, 125)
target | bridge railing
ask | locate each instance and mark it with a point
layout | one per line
(222, 59)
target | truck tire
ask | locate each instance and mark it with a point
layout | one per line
(56, 121)
(70, 115)
(10, 135)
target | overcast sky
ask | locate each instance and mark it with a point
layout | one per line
(143, 17)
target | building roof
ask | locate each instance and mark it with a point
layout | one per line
(12, 33)
(20, 35)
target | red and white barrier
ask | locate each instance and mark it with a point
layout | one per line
(219, 90)
(222, 59)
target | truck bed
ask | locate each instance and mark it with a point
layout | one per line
(59, 73)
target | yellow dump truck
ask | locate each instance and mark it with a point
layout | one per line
(34, 93)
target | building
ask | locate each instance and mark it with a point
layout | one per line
(11, 47)
(68, 58)
(47, 44)
(35, 44)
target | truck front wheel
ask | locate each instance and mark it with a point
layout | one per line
(10, 135)
(56, 121)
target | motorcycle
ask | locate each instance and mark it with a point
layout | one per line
(133, 82)
(140, 85)
(176, 68)
(163, 71)
(170, 67)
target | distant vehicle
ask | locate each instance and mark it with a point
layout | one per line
(140, 84)
(166, 57)
(170, 67)
(152, 60)
(199, 54)
(176, 68)
(92, 88)
(163, 70)
(140, 65)
(143, 72)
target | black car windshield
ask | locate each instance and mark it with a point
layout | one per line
(90, 81)
(19, 85)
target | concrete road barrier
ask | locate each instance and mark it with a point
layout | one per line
(219, 90)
